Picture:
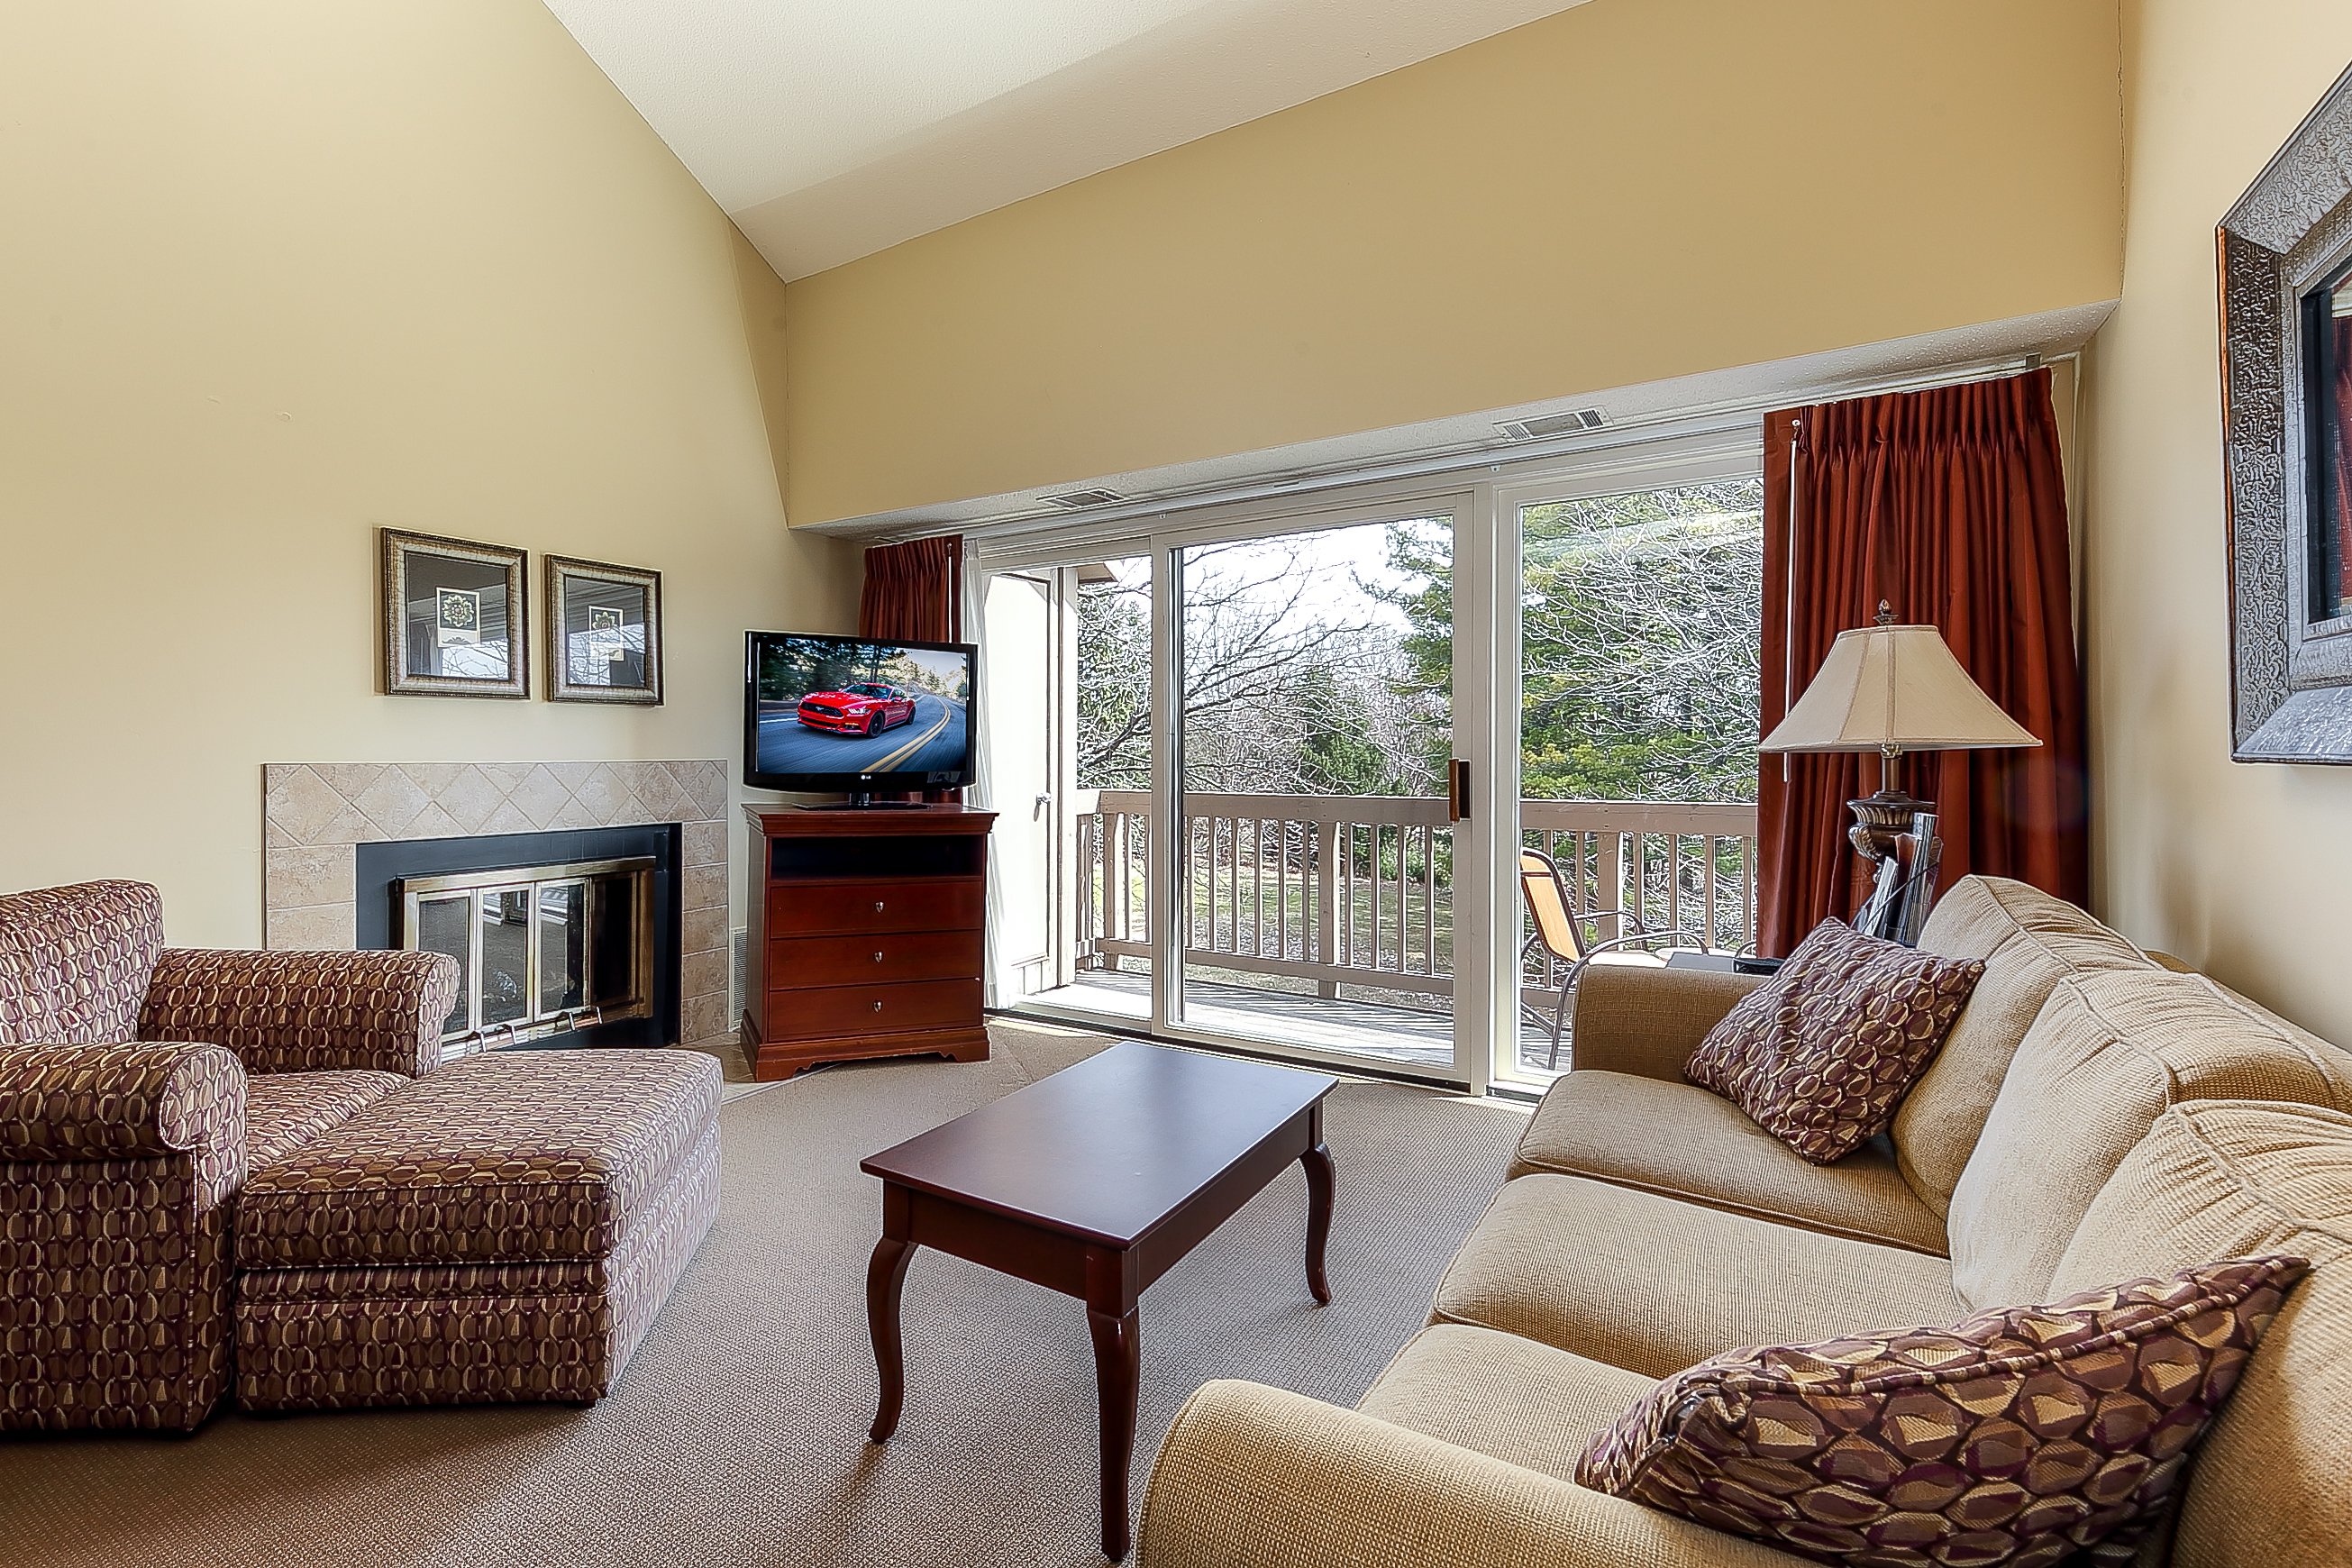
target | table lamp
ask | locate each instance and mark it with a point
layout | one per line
(1891, 689)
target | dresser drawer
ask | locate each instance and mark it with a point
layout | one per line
(824, 909)
(872, 1009)
(797, 963)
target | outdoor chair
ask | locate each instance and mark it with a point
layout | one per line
(1567, 942)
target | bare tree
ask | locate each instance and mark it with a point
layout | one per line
(1266, 672)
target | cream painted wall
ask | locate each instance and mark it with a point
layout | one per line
(273, 273)
(2243, 870)
(1628, 191)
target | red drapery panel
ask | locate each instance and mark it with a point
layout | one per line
(914, 591)
(1951, 506)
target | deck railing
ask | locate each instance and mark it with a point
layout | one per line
(1359, 890)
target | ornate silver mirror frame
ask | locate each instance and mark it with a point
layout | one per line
(2291, 681)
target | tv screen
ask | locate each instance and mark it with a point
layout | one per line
(825, 713)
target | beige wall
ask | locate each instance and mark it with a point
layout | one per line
(2242, 870)
(273, 273)
(1629, 191)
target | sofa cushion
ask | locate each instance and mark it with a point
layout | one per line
(2220, 1179)
(85, 952)
(1502, 1395)
(284, 1111)
(2029, 941)
(513, 1156)
(1687, 1142)
(1652, 1285)
(2110, 1051)
(25, 1017)
(1820, 1053)
(2022, 1434)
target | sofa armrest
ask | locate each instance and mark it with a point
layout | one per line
(61, 1103)
(306, 1012)
(1647, 1022)
(1260, 1477)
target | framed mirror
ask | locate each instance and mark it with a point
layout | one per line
(455, 622)
(2286, 412)
(604, 632)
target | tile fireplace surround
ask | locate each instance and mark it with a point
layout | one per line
(315, 814)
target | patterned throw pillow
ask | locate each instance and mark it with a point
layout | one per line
(1820, 1055)
(2019, 1435)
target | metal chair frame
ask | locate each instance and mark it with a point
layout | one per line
(1566, 969)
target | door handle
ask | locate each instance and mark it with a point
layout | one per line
(1457, 790)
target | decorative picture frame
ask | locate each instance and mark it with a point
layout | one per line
(453, 616)
(2286, 257)
(604, 632)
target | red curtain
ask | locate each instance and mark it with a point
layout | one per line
(914, 591)
(1949, 505)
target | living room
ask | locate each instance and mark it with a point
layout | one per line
(1355, 535)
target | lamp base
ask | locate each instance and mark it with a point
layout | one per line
(1880, 819)
(1896, 833)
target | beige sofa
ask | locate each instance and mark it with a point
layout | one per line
(2095, 1116)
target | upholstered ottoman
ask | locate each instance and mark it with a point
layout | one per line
(504, 1229)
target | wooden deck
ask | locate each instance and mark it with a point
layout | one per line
(1406, 1037)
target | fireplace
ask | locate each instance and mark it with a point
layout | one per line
(540, 950)
(561, 939)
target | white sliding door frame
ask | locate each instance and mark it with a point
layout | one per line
(1483, 505)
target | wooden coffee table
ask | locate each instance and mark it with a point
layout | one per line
(1094, 1182)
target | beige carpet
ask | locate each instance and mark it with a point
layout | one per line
(738, 1436)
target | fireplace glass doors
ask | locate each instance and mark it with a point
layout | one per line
(543, 950)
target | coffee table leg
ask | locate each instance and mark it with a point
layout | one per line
(1316, 1161)
(1119, 1362)
(884, 1273)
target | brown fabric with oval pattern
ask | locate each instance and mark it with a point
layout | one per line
(507, 1157)
(306, 1012)
(114, 1234)
(284, 1111)
(86, 952)
(1820, 1055)
(546, 1199)
(24, 1018)
(100, 1102)
(2020, 1436)
(462, 1333)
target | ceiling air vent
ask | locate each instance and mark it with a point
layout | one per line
(1553, 424)
(1078, 500)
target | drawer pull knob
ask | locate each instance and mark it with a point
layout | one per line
(877, 906)
(878, 958)
(878, 1007)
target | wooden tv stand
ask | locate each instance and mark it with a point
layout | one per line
(865, 932)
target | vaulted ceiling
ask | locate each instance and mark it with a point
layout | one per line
(832, 129)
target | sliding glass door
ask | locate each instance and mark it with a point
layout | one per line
(1315, 860)
(1640, 603)
(1303, 749)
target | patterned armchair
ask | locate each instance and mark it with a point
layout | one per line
(137, 1086)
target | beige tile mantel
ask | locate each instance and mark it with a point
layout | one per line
(316, 815)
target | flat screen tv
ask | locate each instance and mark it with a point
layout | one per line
(856, 714)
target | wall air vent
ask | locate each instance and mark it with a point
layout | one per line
(1078, 500)
(1547, 424)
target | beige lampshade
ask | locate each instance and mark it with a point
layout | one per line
(1895, 686)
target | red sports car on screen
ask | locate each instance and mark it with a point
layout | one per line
(864, 708)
